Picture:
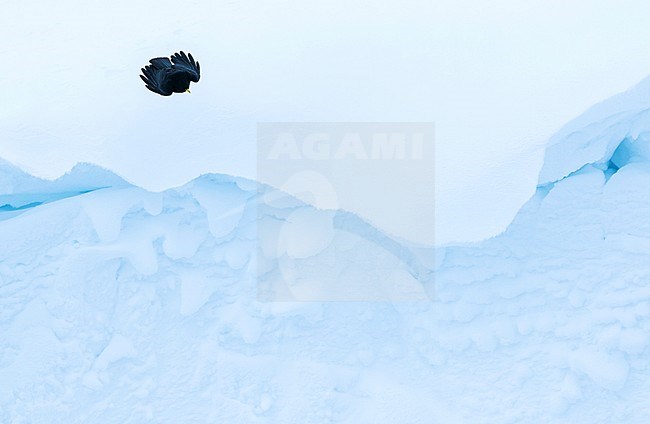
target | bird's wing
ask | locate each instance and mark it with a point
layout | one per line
(188, 64)
(161, 62)
(156, 80)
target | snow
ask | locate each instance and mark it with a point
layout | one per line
(594, 137)
(21, 190)
(497, 79)
(224, 300)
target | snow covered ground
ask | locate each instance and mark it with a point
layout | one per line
(497, 78)
(213, 302)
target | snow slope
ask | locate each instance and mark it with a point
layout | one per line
(218, 302)
(72, 92)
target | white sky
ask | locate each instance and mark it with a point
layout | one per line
(497, 78)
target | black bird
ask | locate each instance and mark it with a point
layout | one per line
(165, 77)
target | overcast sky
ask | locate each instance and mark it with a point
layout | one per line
(497, 79)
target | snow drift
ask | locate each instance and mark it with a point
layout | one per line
(122, 305)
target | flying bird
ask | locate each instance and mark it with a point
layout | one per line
(164, 76)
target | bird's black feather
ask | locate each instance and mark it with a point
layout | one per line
(182, 61)
(161, 62)
(165, 77)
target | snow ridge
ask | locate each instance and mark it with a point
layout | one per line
(595, 136)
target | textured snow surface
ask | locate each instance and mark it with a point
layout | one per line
(593, 137)
(122, 305)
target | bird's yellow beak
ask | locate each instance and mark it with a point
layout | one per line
(188, 91)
